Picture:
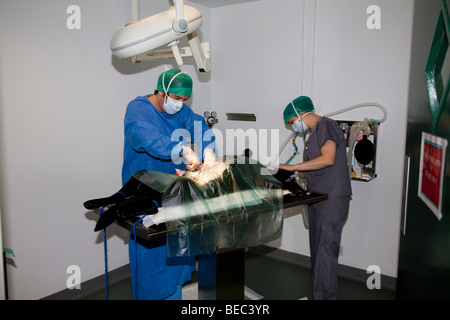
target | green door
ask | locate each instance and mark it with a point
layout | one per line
(424, 257)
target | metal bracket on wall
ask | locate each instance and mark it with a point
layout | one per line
(241, 116)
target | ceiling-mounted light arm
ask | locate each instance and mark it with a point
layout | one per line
(179, 25)
(167, 53)
(135, 10)
(176, 52)
(203, 62)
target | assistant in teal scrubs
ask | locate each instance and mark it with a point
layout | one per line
(325, 165)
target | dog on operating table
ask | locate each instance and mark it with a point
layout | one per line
(133, 199)
(136, 198)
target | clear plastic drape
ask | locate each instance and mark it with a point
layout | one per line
(230, 205)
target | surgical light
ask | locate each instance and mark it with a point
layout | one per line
(164, 28)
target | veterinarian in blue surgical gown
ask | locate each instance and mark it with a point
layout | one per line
(156, 129)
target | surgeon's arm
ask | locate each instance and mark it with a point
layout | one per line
(326, 159)
(143, 136)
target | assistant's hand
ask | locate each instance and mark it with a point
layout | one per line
(190, 159)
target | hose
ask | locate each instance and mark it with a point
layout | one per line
(105, 253)
(360, 105)
(274, 160)
(135, 276)
(295, 147)
(356, 127)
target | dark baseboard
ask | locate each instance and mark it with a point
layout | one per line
(91, 286)
(347, 272)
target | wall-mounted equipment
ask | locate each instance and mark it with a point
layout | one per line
(361, 139)
(362, 164)
(165, 28)
(211, 118)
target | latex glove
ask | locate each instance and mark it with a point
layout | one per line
(190, 159)
(209, 159)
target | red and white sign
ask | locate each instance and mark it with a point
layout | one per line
(431, 173)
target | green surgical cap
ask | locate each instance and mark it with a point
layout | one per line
(182, 84)
(301, 104)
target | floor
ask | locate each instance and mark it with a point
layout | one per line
(282, 281)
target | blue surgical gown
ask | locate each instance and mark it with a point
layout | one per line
(153, 141)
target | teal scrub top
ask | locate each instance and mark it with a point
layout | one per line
(333, 180)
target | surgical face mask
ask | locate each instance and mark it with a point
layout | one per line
(299, 126)
(172, 106)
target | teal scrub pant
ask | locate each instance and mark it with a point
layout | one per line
(326, 221)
